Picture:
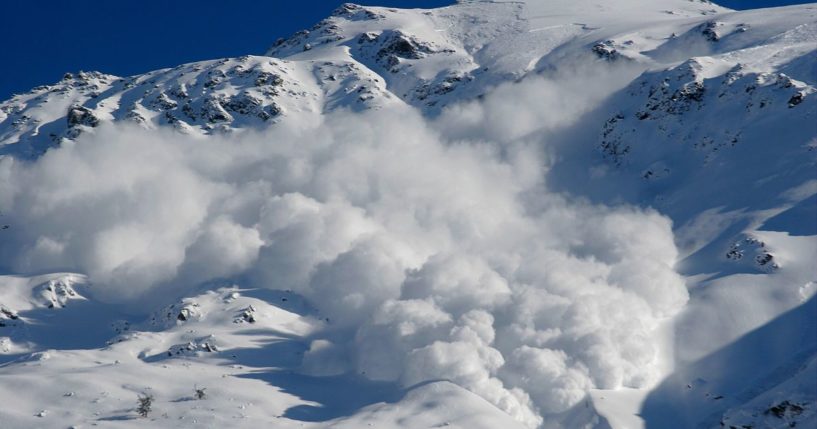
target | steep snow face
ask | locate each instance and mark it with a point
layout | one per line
(381, 187)
(471, 47)
(759, 73)
(737, 122)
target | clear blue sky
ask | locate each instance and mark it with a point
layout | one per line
(43, 39)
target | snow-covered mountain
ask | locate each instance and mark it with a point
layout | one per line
(544, 213)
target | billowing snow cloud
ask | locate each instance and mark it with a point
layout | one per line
(433, 253)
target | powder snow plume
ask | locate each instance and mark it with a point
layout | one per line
(431, 255)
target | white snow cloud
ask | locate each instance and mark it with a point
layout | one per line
(435, 254)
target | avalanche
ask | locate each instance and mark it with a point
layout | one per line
(494, 214)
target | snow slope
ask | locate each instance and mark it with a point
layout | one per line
(495, 214)
(234, 343)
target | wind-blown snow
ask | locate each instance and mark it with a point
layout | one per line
(467, 271)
